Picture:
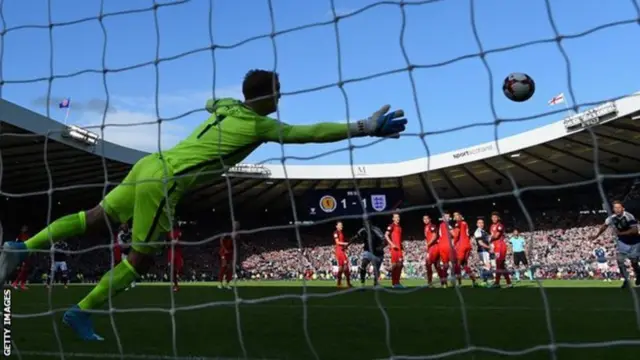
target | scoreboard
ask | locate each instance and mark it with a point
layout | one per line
(335, 203)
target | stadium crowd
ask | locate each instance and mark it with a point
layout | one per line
(556, 249)
(558, 246)
(554, 252)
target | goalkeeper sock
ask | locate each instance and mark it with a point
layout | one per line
(123, 275)
(517, 275)
(66, 226)
(529, 275)
(363, 275)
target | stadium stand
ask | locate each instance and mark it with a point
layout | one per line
(39, 157)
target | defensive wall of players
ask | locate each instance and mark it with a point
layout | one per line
(606, 112)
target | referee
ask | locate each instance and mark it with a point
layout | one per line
(373, 251)
(519, 255)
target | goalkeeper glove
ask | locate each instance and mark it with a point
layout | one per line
(381, 124)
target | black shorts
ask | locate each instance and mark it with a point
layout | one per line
(520, 258)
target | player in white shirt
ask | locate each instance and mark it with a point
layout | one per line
(59, 264)
(483, 244)
(600, 254)
(625, 226)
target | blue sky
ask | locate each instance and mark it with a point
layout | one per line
(449, 96)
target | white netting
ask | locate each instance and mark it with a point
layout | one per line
(117, 350)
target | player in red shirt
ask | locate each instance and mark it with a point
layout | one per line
(341, 255)
(462, 242)
(445, 247)
(393, 235)
(433, 253)
(499, 249)
(226, 260)
(174, 256)
(23, 274)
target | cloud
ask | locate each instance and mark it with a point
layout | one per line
(92, 105)
(183, 101)
(138, 130)
(135, 124)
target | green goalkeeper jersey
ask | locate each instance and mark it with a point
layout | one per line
(231, 133)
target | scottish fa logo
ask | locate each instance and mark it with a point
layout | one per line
(328, 203)
(379, 202)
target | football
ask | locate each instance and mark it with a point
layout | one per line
(518, 87)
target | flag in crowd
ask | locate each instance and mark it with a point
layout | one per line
(65, 103)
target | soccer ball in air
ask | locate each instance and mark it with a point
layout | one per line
(518, 87)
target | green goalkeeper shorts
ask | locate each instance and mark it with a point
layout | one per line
(148, 194)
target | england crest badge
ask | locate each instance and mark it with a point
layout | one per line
(379, 202)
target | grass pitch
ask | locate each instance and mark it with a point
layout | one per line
(416, 322)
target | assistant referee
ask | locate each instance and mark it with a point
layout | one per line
(519, 254)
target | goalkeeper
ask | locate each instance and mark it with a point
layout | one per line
(149, 193)
(372, 252)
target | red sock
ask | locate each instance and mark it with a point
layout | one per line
(339, 276)
(347, 275)
(24, 274)
(175, 277)
(221, 273)
(507, 278)
(443, 274)
(396, 274)
(498, 273)
(429, 273)
(229, 274)
(394, 271)
(457, 270)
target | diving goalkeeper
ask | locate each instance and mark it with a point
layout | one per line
(149, 193)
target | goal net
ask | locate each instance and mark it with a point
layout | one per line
(89, 88)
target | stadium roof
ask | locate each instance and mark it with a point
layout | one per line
(32, 147)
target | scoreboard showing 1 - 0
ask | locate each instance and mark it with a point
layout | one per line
(336, 203)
